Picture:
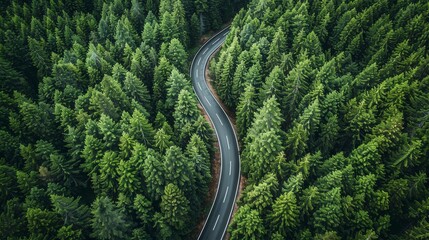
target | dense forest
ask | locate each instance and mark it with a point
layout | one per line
(332, 107)
(100, 133)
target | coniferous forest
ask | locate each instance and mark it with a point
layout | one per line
(101, 136)
(332, 107)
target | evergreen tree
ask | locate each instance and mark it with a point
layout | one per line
(273, 85)
(277, 48)
(284, 215)
(245, 110)
(141, 129)
(70, 209)
(177, 55)
(247, 224)
(175, 84)
(185, 111)
(178, 171)
(161, 74)
(175, 208)
(154, 175)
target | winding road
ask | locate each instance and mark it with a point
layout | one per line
(229, 180)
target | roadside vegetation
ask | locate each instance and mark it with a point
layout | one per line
(100, 133)
(332, 108)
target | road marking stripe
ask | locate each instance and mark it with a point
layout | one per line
(199, 86)
(225, 33)
(197, 73)
(205, 51)
(227, 141)
(199, 60)
(208, 101)
(226, 194)
(230, 168)
(221, 123)
(215, 41)
(217, 219)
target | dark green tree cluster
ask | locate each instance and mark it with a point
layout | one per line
(100, 133)
(332, 106)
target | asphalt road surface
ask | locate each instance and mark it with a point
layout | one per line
(221, 210)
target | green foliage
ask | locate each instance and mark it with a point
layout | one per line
(69, 208)
(42, 223)
(89, 93)
(284, 215)
(348, 136)
(108, 221)
(247, 224)
(174, 208)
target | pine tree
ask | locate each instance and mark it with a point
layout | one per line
(108, 222)
(175, 84)
(254, 75)
(143, 209)
(124, 34)
(71, 210)
(238, 81)
(277, 48)
(151, 34)
(284, 215)
(68, 233)
(137, 15)
(141, 129)
(65, 170)
(154, 174)
(296, 141)
(162, 140)
(273, 85)
(181, 22)
(260, 155)
(262, 195)
(178, 171)
(168, 29)
(224, 81)
(42, 223)
(195, 29)
(129, 182)
(185, 111)
(201, 7)
(137, 90)
(329, 216)
(177, 55)
(162, 72)
(247, 224)
(109, 174)
(245, 110)
(175, 208)
(201, 165)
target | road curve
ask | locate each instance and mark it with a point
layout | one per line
(229, 180)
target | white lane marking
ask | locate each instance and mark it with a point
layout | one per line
(230, 168)
(197, 73)
(215, 41)
(225, 34)
(199, 86)
(221, 123)
(227, 141)
(208, 101)
(205, 51)
(226, 194)
(217, 219)
(199, 60)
